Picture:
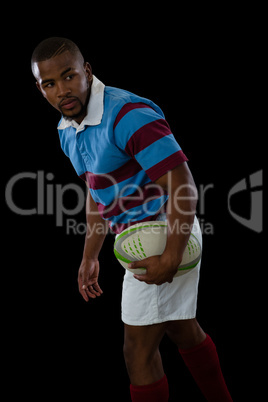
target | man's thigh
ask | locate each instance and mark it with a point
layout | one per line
(144, 337)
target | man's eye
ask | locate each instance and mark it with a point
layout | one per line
(69, 77)
(50, 85)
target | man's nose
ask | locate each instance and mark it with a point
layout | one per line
(62, 90)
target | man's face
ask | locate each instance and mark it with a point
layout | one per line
(65, 82)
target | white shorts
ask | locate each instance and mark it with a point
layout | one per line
(144, 304)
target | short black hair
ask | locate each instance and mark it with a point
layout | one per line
(52, 47)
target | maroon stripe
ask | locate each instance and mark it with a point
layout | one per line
(127, 108)
(166, 165)
(147, 135)
(145, 194)
(83, 176)
(101, 181)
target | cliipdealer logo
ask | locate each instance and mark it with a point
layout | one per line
(50, 199)
(250, 190)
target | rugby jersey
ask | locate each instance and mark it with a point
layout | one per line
(122, 146)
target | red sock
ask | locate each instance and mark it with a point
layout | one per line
(203, 363)
(155, 392)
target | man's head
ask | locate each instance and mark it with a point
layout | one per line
(62, 76)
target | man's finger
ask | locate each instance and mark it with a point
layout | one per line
(98, 289)
(89, 291)
(84, 294)
(95, 289)
(143, 278)
(138, 264)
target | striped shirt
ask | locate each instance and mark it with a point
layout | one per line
(121, 148)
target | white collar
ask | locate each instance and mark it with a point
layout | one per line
(94, 108)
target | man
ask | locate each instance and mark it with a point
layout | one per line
(122, 146)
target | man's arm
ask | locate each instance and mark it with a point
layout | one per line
(181, 208)
(88, 273)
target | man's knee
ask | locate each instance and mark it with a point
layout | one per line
(141, 352)
(135, 352)
(185, 333)
(139, 356)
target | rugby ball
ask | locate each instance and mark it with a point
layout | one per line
(147, 239)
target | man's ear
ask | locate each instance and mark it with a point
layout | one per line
(88, 71)
(38, 86)
(40, 89)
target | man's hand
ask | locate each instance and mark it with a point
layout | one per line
(159, 269)
(88, 279)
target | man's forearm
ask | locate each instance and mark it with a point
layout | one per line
(180, 217)
(97, 229)
(181, 208)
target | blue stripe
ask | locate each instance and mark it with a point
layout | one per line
(133, 121)
(156, 152)
(141, 211)
(126, 187)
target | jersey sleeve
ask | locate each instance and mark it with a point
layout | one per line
(145, 135)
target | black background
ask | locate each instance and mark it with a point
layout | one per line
(204, 71)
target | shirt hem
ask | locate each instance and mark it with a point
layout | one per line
(157, 320)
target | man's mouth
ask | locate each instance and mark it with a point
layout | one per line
(68, 103)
